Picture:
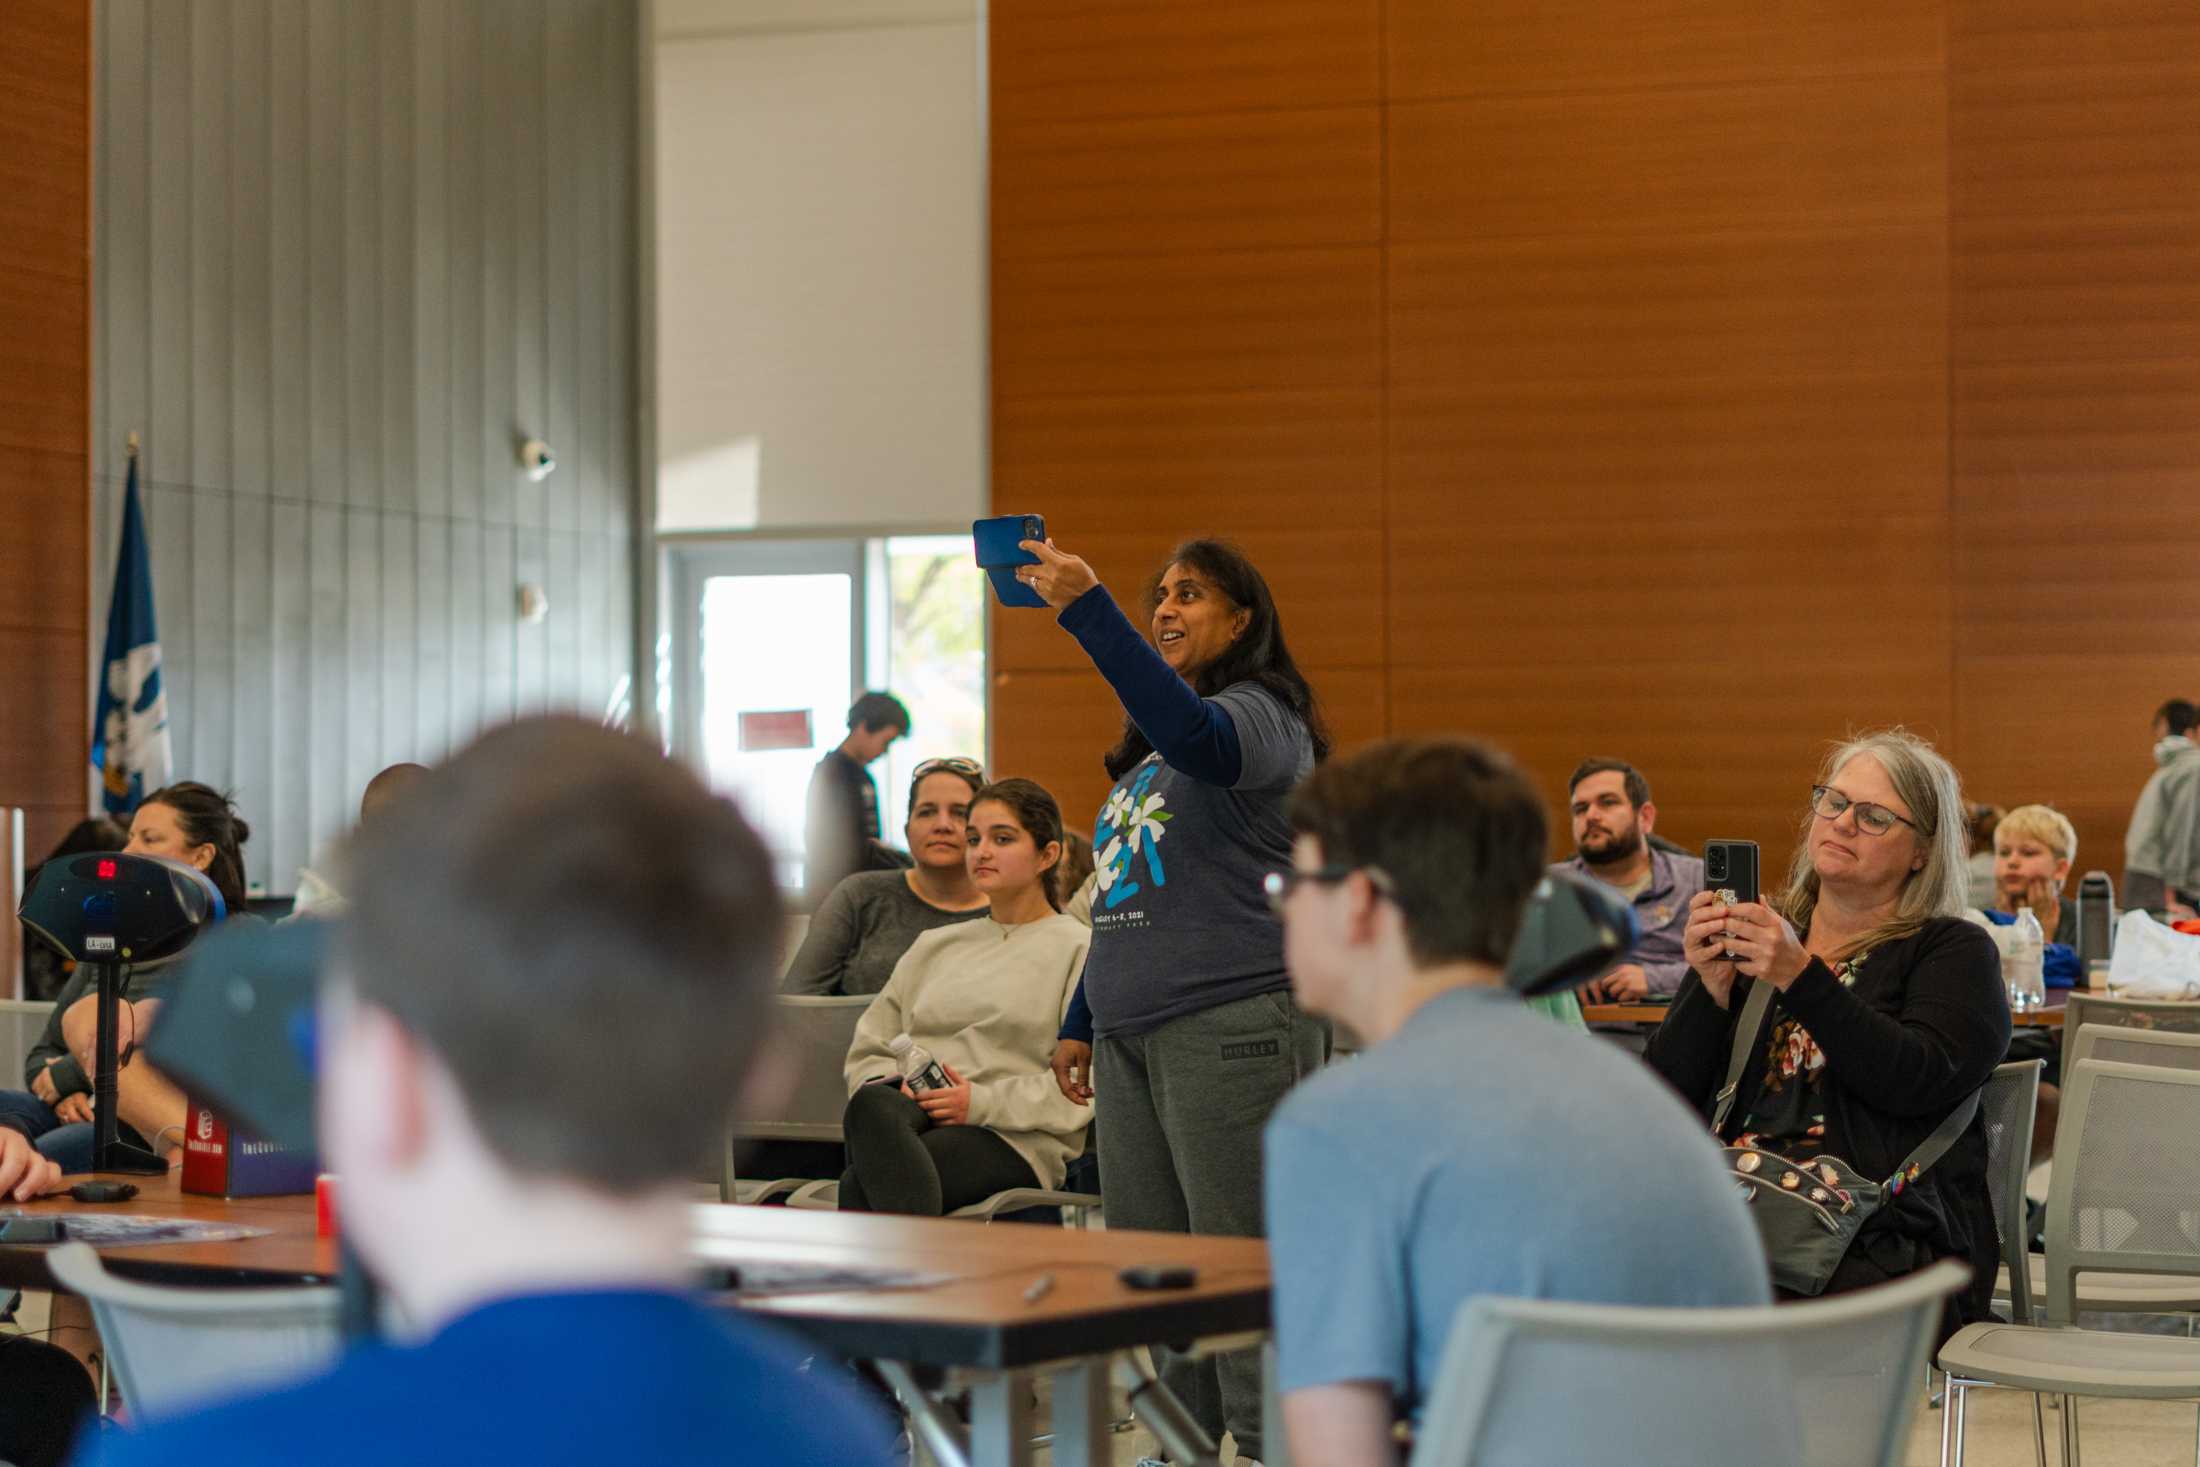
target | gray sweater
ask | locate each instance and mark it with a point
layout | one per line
(860, 931)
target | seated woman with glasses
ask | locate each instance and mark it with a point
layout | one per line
(861, 930)
(985, 999)
(1887, 1010)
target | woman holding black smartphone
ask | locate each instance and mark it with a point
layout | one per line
(1887, 1010)
(1185, 1014)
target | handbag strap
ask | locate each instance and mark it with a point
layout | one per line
(1913, 1166)
(1935, 1146)
(1745, 1035)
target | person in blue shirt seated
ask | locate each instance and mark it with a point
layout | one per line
(1471, 1149)
(551, 991)
(2033, 848)
(1613, 818)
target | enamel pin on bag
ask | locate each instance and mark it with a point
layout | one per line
(1809, 1212)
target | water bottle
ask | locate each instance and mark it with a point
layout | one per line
(918, 1068)
(2024, 965)
(2095, 938)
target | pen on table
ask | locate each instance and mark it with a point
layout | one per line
(1039, 1288)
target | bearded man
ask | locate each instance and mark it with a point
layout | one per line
(1613, 818)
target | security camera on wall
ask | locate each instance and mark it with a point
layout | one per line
(535, 457)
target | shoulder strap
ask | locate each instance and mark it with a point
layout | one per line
(1745, 1036)
(1935, 1146)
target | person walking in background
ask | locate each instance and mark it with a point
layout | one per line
(2162, 844)
(1185, 1022)
(843, 821)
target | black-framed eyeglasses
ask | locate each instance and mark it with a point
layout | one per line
(1870, 818)
(1280, 884)
(968, 768)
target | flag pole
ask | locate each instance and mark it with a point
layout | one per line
(133, 443)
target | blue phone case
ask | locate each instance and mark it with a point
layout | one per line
(999, 547)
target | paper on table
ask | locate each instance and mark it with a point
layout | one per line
(124, 1230)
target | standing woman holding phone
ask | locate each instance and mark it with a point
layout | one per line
(1185, 1016)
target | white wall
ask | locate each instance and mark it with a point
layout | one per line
(820, 263)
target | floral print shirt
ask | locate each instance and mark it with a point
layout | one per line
(1789, 1114)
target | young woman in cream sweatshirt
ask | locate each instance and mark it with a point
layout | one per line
(987, 999)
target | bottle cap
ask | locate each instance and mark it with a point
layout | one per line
(900, 1043)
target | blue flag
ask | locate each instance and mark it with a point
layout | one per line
(130, 726)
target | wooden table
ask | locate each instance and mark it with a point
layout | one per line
(1650, 1015)
(978, 1319)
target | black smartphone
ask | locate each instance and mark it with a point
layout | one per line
(33, 1230)
(1730, 869)
(1159, 1276)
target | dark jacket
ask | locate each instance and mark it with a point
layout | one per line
(1924, 1025)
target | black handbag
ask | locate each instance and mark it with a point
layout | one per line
(1809, 1212)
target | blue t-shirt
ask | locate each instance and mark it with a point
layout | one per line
(1483, 1149)
(1180, 922)
(554, 1378)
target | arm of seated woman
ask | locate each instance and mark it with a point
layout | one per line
(1952, 1029)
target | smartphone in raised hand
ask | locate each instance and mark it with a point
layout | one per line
(1730, 869)
(998, 543)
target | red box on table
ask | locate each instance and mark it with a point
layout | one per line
(222, 1161)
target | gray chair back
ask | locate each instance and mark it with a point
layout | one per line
(173, 1349)
(814, 1032)
(2008, 1105)
(2125, 1197)
(1825, 1383)
(2122, 1046)
(2131, 1013)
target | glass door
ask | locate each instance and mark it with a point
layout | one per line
(768, 652)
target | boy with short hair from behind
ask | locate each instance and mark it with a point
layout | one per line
(551, 990)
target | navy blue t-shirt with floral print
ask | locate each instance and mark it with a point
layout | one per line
(1180, 921)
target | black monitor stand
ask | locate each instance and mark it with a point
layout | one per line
(110, 1153)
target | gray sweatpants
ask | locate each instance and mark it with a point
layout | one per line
(1180, 1112)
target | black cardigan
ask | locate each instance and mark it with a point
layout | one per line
(1924, 1025)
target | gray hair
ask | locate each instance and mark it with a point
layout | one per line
(1928, 784)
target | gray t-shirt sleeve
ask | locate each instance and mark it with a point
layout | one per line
(1337, 1253)
(821, 962)
(1273, 746)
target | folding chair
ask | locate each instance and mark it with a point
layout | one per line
(2125, 1200)
(1824, 1383)
(816, 1030)
(2177, 1016)
(175, 1348)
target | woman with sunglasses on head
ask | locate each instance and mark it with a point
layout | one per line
(861, 930)
(984, 999)
(1887, 1010)
(1198, 1038)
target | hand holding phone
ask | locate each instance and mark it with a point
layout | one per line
(1730, 870)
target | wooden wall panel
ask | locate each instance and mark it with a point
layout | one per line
(2076, 394)
(1187, 330)
(1053, 59)
(1450, 48)
(327, 294)
(1738, 376)
(45, 410)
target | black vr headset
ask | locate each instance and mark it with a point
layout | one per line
(129, 910)
(1574, 929)
(109, 912)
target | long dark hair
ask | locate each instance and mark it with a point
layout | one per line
(1037, 812)
(208, 818)
(1257, 656)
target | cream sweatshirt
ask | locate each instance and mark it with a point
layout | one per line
(989, 1000)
